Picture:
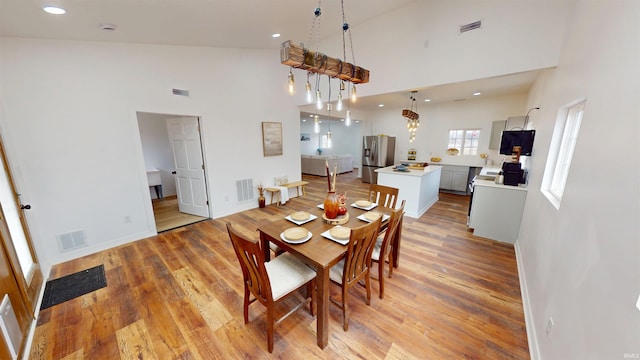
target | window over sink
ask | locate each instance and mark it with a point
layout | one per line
(465, 140)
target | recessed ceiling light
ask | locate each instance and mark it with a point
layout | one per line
(304, 120)
(477, 93)
(427, 100)
(276, 35)
(380, 105)
(54, 10)
(357, 121)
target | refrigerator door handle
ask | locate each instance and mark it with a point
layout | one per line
(373, 151)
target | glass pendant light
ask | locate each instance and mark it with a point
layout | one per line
(347, 120)
(318, 95)
(354, 96)
(292, 83)
(316, 125)
(308, 87)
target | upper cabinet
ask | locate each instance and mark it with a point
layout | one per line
(496, 134)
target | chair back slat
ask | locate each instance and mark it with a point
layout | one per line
(359, 249)
(392, 229)
(385, 196)
(251, 261)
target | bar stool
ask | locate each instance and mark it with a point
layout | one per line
(274, 193)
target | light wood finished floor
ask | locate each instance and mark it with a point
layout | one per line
(167, 215)
(178, 295)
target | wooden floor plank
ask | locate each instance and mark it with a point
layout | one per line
(178, 295)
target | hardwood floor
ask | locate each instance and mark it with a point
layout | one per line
(167, 215)
(178, 295)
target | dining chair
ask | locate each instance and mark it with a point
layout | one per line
(272, 281)
(382, 248)
(384, 196)
(355, 266)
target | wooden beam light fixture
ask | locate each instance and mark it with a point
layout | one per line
(314, 62)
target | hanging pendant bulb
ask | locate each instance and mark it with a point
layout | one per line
(316, 125)
(347, 120)
(292, 84)
(354, 96)
(329, 142)
(309, 94)
(318, 100)
(339, 104)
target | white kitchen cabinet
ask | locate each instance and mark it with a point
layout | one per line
(496, 134)
(496, 210)
(454, 177)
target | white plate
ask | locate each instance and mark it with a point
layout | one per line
(365, 208)
(363, 218)
(327, 234)
(321, 206)
(311, 217)
(300, 241)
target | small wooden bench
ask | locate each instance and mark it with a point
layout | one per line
(297, 185)
(275, 192)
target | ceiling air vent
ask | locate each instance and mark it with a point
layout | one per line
(470, 26)
(180, 92)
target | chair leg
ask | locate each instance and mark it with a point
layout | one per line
(270, 325)
(311, 288)
(381, 278)
(345, 315)
(367, 282)
(246, 303)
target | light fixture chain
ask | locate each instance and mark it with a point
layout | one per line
(315, 28)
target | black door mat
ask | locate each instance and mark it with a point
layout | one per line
(71, 286)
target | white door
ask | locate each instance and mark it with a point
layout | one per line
(184, 135)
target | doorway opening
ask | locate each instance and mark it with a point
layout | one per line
(172, 150)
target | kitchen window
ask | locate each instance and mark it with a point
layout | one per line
(465, 140)
(563, 143)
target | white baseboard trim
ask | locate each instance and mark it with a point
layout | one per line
(534, 350)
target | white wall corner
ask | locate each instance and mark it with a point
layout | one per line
(534, 350)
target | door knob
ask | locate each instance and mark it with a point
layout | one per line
(25, 207)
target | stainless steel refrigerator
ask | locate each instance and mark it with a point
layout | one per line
(377, 152)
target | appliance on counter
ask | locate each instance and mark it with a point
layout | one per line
(513, 173)
(377, 152)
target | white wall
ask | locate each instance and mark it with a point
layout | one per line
(580, 263)
(74, 146)
(156, 149)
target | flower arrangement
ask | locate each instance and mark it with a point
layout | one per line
(261, 190)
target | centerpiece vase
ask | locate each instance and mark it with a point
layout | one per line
(331, 205)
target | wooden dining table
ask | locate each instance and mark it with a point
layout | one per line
(319, 252)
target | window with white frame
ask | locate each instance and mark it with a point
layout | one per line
(563, 143)
(465, 140)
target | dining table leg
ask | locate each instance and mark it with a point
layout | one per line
(323, 306)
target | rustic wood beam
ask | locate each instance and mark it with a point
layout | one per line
(315, 62)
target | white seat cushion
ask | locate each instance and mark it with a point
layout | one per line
(376, 249)
(335, 273)
(286, 273)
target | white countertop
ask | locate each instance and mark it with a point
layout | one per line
(412, 172)
(491, 183)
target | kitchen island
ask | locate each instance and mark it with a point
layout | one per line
(419, 188)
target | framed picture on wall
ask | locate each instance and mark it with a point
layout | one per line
(272, 138)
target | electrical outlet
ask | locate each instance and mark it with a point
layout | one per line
(549, 325)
